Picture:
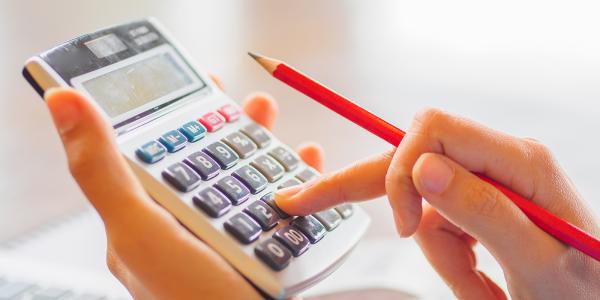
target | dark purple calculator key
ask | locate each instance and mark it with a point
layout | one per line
(243, 228)
(236, 191)
(285, 157)
(253, 179)
(270, 200)
(212, 202)
(273, 254)
(311, 227)
(203, 165)
(293, 239)
(180, 176)
(330, 218)
(221, 153)
(263, 214)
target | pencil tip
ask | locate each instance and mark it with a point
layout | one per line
(254, 55)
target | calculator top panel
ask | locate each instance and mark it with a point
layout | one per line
(132, 72)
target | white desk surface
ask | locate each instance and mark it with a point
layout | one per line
(527, 67)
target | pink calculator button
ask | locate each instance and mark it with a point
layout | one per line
(212, 121)
(230, 112)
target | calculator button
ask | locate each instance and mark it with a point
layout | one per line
(270, 200)
(230, 112)
(222, 154)
(273, 254)
(212, 202)
(269, 167)
(243, 228)
(203, 165)
(193, 131)
(258, 134)
(307, 174)
(285, 157)
(181, 177)
(263, 214)
(288, 183)
(173, 141)
(241, 144)
(329, 218)
(233, 189)
(345, 210)
(312, 228)
(212, 121)
(151, 152)
(292, 238)
(255, 181)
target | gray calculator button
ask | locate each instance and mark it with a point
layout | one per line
(273, 254)
(345, 210)
(270, 200)
(268, 167)
(13, 290)
(285, 157)
(222, 154)
(263, 214)
(258, 134)
(312, 228)
(180, 176)
(255, 181)
(292, 238)
(233, 189)
(203, 165)
(241, 144)
(212, 202)
(243, 228)
(329, 218)
(50, 294)
(288, 183)
(307, 174)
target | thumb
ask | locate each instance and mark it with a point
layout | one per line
(482, 211)
(94, 161)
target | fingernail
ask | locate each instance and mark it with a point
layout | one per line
(65, 111)
(435, 174)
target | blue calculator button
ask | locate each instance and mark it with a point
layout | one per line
(151, 152)
(173, 141)
(193, 131)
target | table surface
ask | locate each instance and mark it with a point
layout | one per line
(529, 68)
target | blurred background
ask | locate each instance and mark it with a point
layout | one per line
(526, 67)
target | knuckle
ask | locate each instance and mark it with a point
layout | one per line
(484, 200)
(540, 154)
(429, 118)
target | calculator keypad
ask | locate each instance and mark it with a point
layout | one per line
(212, 202)
(261, 167)
(181, 177)
(243, 228)
(222, 154)
(269, 167)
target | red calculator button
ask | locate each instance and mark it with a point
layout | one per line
(230, 112)
(212, 121)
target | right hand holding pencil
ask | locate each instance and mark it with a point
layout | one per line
(434, 162)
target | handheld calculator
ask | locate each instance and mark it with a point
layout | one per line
(200, 157)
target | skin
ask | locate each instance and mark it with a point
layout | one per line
(433, 163)
(152, 254)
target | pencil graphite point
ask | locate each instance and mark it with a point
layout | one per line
(254, 55)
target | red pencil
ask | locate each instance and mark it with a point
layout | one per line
(560, 229)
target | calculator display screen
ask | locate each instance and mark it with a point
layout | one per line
(136, 85)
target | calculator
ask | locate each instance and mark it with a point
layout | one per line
(200, 157)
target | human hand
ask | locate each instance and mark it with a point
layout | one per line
(152, 254)
(434, 162)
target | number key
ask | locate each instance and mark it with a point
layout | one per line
(312, 228)
(181, 177)
(233, 189)
(212, 202)
(273, 254)
(263, 214)
(203, 165)
(243, 228)
(251, 178)
(222, 154)
(270, 200)
(293, 239)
